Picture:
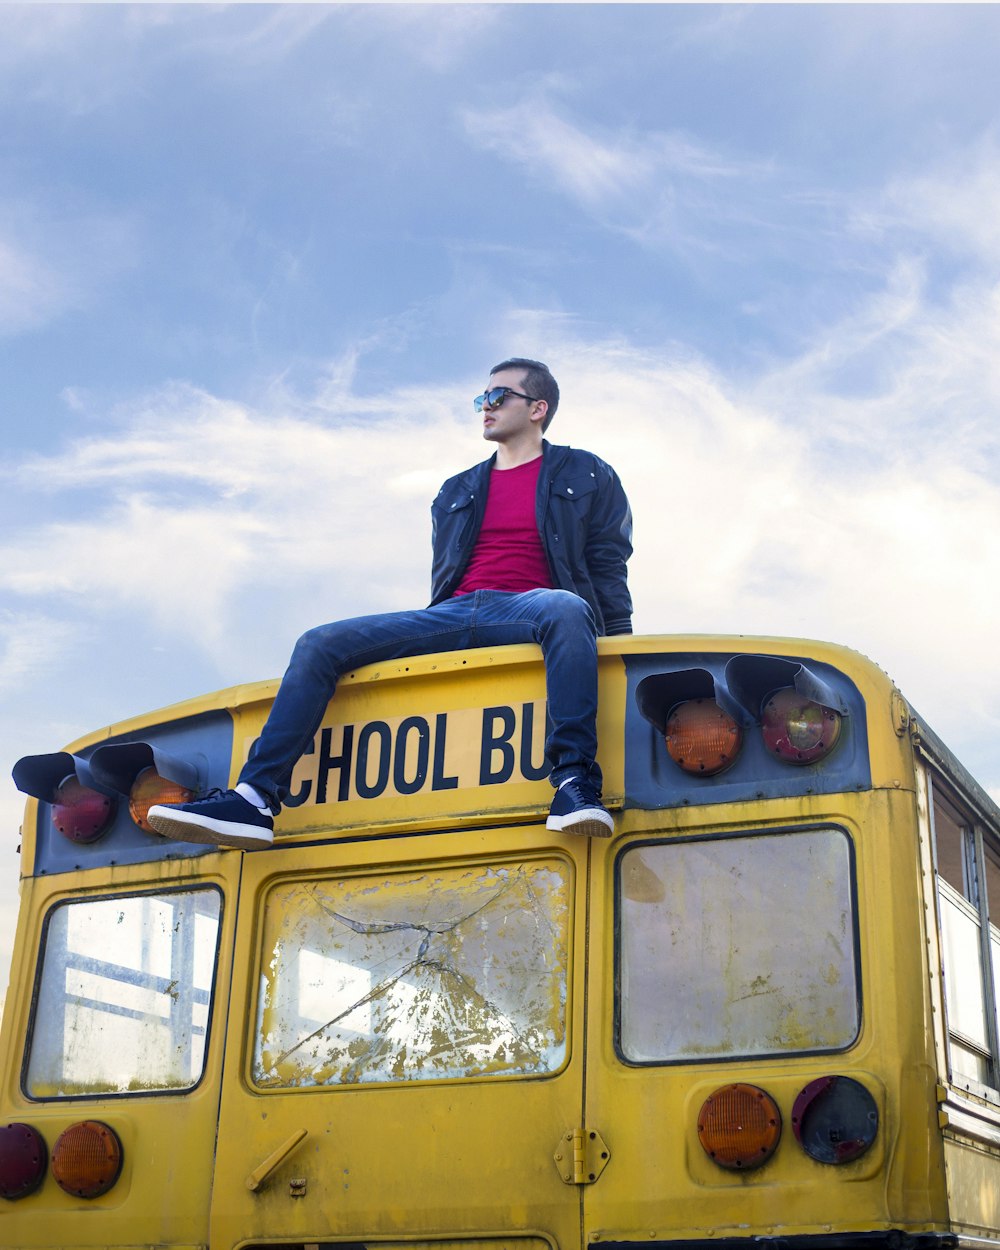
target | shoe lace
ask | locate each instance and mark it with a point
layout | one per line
(582, 790)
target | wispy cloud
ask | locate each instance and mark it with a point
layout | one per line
(955, 206)
(759, 507)
(672, 193)
(629, 179)
(53, 263)
(31, 290)
(442, 37)
(810, 495)
(270, 34)
(851, 493)
(239, 502)
(909, 375)
(83, 59)
(28, 643)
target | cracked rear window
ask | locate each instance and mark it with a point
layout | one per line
(737, 946)
(437, 974)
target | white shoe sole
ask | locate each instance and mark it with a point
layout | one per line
(589, 822)
(184, 827)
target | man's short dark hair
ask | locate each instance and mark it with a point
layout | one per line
(538, 383)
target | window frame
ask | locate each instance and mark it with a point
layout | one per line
(742, 1057)
(33, 1010)
(978, 839)
(343, 874)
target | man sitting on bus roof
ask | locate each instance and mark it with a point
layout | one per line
(528, 546)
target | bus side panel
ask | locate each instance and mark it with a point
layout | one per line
(973, 1173)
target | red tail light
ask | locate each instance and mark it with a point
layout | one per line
(79, 813)
(23, 1157)
(835, 1119)
(798, 730)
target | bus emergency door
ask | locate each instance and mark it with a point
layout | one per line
(728, 961)
(406, 1052)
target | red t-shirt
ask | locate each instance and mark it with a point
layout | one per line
(508, 553)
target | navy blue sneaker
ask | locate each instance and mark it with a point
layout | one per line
(219, 817)
(577, 808)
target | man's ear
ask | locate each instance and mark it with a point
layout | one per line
(540, 410)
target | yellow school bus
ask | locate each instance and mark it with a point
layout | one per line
(764, 1012)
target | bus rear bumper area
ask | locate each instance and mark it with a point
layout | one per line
(884, 1239)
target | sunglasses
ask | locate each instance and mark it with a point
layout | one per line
(495, 397)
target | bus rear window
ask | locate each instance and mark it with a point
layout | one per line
(439, 974)
(123, 997)
(732, 947)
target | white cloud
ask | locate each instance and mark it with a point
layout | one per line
(32, 32)
(200, 492)
(759, 506)
(82, 59)
(906, 380)
(642, 183)
(57, 259)
(589, 170)
(73, 57)
(441, 36)
(270, 34)
(956, 206)
(672, 193)
(31, 290)
(28, 642)
(822, 498)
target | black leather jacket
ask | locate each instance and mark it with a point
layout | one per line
(584, 521)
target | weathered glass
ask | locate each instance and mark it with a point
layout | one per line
(737, 946)
(438, 974)
(124, 993)
(963, 974)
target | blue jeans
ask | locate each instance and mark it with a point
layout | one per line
(559, 621)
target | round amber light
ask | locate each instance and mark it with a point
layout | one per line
(799, 730)
(87, 1159)
(739, 1126)
(701, 738)
(148, 789)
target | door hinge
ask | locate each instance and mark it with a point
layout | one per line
(581, 1156)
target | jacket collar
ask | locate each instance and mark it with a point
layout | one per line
(478, 474)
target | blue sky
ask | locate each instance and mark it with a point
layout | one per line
(255, 261)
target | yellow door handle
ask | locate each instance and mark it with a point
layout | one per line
(260, 1174)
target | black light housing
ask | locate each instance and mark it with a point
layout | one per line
(835, 1119)
(83, 809)
(147, 775)
(118, 766)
